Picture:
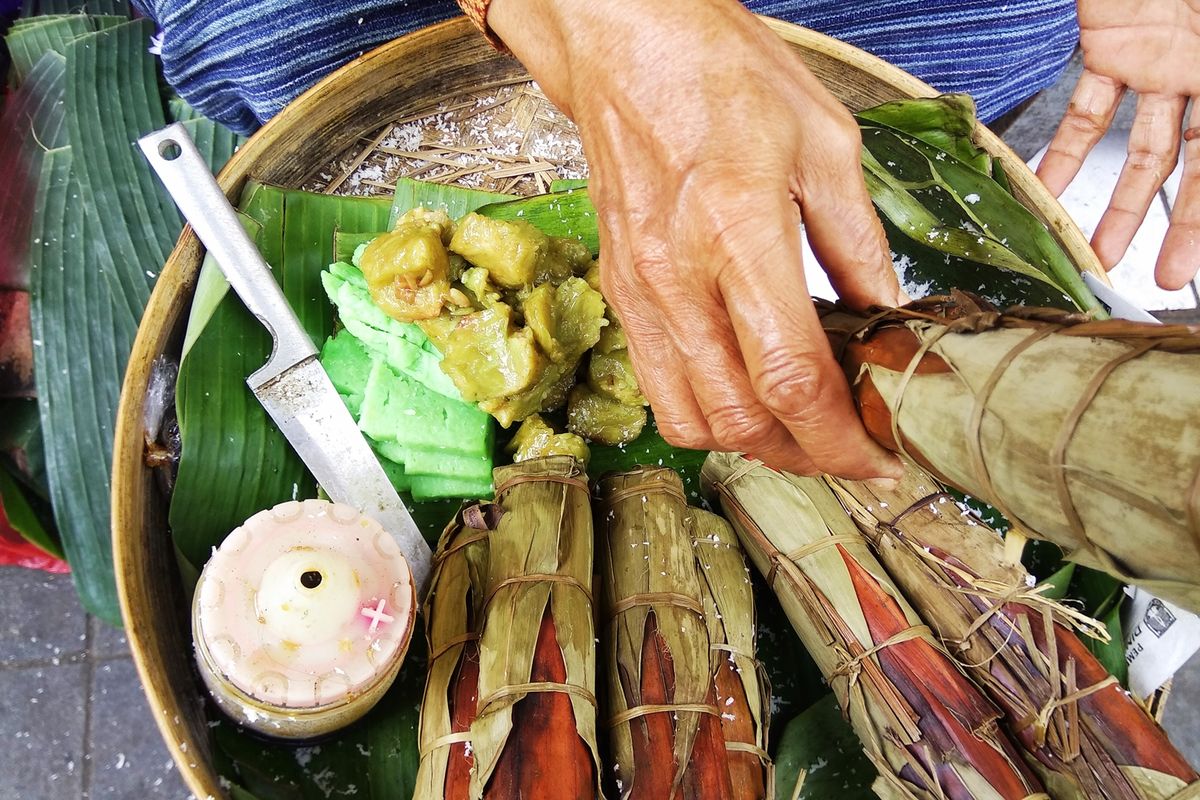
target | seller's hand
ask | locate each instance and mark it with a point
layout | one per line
(707, 139)
(1153, 48)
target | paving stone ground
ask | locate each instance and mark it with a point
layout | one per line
(74, 721)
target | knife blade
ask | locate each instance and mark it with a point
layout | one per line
(1119, 306)
(292, 386)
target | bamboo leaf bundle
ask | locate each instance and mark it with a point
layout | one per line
(1082, 733)
(687, 697)
(929, 731)
(742, 689)
(510, 705)
(1080, 432)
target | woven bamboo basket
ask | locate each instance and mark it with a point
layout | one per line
(439, 104)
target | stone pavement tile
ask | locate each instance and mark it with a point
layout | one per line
(1182, 719)
(107, 641)
(1086, 200)
(127, 757)
(42, 730)
(40, 618)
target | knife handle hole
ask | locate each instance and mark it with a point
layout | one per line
(311, 579)
(169, 149)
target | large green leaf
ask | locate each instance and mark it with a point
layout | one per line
(569, 213)
(822, 743)
(90, 258)
(456, 201)
(1111, 654)
(32, 121)
(931, 196)
(650, 449)
(234, 461)
(947, 122)
(568, 184)
(30, 8)
(112, 100)
(21, 442)
(82, 340)
(32, 38)
(24, 517)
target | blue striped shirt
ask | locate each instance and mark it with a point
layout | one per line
(242, 61)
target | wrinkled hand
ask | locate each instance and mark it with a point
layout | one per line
(707, 139)
(1151, 47)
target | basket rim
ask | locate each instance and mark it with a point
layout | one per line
(177, 278)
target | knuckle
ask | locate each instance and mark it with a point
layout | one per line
(847, 137)
(790, 386)
(683, 433)
(1152, 160)
(736, 428)
(687, 437)
(1083, 122)
(645, 268)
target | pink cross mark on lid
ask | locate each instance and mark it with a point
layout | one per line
(376, 616)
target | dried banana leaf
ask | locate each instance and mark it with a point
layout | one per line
(1080, 432)
(510, 705)
(929, 731)
(682, 724)
(742, 688)
(1083, 734)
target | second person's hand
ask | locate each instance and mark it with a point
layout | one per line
(708, 140)
(1152, 48)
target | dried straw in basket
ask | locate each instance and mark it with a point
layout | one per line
(687, 701)
(504, 137)
(1081, 732)
(512, 644)
(929, 731)
(1081, 432)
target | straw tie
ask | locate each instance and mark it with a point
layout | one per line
(643, 599)
(452, 642)
(538, 577)
(853, 665)
(1041, 720)
(536, 687)
(635, 712)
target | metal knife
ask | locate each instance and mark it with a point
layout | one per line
(1121, 307)
(292, 386)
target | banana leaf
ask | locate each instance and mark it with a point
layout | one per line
(27, 515)
(234, 462)
(569, 214)
(30, 39)
(510, 703)
(31, 123)
(928, 730)
(680, 623)
(113, 99)
(88, 297)
(30, 8)
(82, 340)
(568, 184)
(456, 201)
